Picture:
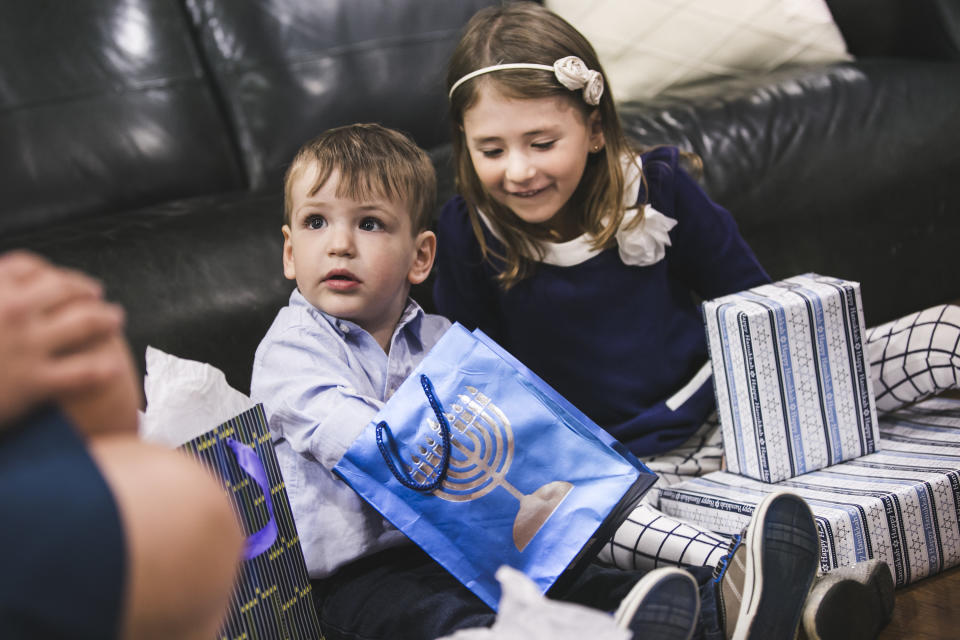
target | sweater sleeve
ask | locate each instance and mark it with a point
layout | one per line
(708, 253)
(465, 289)
(310, 395)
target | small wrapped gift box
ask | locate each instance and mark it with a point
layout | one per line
(901, 504)
(792, 384)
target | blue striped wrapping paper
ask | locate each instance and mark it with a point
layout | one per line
(901, 504)
(792, 383)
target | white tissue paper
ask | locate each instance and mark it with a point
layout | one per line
(524, 614)
(185, 399)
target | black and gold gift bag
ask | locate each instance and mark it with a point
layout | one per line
(272, 599)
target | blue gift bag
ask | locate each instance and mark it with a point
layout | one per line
(481, 463)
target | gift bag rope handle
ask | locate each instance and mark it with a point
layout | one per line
(249, 461)
(441, 470)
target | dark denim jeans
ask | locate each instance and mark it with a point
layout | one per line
(64, 566)
(402, 594)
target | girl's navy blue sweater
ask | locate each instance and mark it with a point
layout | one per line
(618, 341)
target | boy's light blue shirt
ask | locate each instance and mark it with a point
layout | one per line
(321, 381)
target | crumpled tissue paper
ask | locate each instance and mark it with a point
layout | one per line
(185, 399)
(525, 614)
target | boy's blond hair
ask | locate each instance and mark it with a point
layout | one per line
(373, 162)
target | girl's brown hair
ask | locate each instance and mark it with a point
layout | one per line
(528, 33)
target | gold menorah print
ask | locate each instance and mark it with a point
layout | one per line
(482, 451)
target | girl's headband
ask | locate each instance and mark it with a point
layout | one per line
(571, 72)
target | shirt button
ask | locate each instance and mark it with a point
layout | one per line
(344, 328)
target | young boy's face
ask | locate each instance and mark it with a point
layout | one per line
(354, 260)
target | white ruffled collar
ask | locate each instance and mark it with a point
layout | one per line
(641, 246)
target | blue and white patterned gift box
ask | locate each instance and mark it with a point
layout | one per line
(901, 504)
(792, 383)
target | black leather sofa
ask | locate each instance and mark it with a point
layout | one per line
(144, 141)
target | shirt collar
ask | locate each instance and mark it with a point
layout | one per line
(410, 319)
(580, 249)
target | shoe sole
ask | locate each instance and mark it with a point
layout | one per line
(665, 621)
(853, 610)
(792, 537)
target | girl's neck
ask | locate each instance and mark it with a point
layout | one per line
(565, 225)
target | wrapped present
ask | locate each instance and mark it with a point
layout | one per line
(792, 384)
(900, 504)
(482, 464)
(272, 597)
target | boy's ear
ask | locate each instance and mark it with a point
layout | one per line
(425, 251)
(288, 269)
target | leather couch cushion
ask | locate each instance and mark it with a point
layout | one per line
(289, 69)
(847, 171)
(199, 278)
(108, 110)
(900, 28)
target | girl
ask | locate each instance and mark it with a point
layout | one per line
(582, 256)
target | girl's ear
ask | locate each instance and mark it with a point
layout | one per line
(425, 250)
(289, 271)
(595, 126)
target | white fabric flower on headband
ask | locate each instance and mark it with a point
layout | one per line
(574, 74)
(571, 72)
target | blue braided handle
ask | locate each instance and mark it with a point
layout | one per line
(384, 433)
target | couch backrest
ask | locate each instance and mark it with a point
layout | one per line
(104, 106)
(899, 28)
(108, 106)
(289, 69)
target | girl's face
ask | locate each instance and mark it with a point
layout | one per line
(531, 153)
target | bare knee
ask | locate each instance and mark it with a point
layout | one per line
(183, 539)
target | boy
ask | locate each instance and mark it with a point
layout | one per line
(358, 202)
(355, 240)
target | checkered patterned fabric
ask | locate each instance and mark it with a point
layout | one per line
(649, 539)
(915, 357)
(700, 454)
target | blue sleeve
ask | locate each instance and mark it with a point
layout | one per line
(708, 254)
(465, 289)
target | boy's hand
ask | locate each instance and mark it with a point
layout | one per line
(59, 339)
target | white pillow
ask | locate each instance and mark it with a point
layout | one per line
(648, 46)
